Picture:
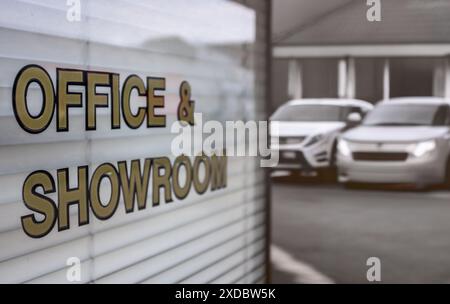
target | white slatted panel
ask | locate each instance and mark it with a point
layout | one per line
(215, 237)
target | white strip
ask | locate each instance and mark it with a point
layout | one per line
(447, 78)
(280, 173)
(387, 50)
(342, 78)
(303, 273)
(386, 80)
(439, 195)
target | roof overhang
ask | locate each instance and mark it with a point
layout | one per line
(376, 50)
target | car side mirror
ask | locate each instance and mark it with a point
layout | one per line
(354, 118)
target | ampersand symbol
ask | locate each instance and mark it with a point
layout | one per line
(186, 105)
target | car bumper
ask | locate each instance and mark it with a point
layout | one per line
(292, 160)
(298, 159)
(417, 171)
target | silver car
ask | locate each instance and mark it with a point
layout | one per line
(307, 129)
(403, 140)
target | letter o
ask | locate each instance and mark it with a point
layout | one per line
(201, 186)
(181, 191)
(26, 76)
(104, 212)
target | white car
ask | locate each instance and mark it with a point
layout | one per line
(305, 131)
(403, 140)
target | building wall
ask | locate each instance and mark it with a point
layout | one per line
(279, 83)
(408, 77)
(319, 78)
(369, 79)
(412, 76)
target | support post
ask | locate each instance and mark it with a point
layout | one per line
(342, 78)
(351, 78)
(386, 80)
(447, 77)
(295, 85)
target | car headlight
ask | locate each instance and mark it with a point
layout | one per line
(343, 148)
(314, 139)
(422, 148)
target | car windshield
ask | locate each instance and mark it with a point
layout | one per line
(310, 113)
(406, 115)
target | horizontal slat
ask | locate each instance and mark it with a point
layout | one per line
(11, 213)
(14, 135)
(29, 157)
(199, 262)
(127, 256)
(111, 262)
(238, 274)
(129, 21)
(12, 183)
(210, 95)
(20, 244)
(256, 276)
(236, 260)
(207, 102)
(178, 256)
(124, 62)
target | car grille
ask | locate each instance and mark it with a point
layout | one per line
(380, 156)
(291, 140)
(298, 159)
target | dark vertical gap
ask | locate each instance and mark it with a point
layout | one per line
(412, 76)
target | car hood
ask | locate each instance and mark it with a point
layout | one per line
(291, 128)
(394, 134)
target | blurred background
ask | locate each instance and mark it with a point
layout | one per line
(326, 232)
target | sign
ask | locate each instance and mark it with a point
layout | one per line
(133, 184)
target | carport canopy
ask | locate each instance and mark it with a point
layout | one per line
(340, 28)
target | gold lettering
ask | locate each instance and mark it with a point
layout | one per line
(163, 180)
(136, 184)
(65, 98)
(28, 75)
(131, 83)
(182, 191)
(219, 172)
(153, 102)
(38, 203)
(201, 186)
(115, 97)
(94, 100)
(68, 196)
(100, 210)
